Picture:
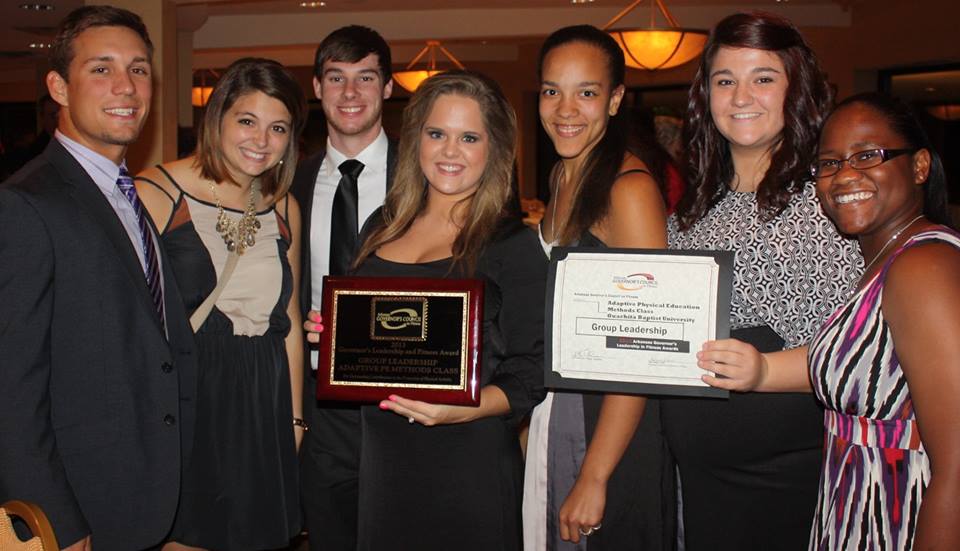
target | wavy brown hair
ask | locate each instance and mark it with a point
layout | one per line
(242, 77)
(807, 102)
(488, 205)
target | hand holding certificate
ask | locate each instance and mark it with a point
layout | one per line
(632, 321)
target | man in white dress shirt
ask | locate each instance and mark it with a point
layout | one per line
(338, 188)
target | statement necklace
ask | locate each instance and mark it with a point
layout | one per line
(241, 234)
(893, 238)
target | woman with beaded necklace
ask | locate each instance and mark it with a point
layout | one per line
(232, 236)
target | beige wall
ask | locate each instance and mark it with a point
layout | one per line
(158, 141)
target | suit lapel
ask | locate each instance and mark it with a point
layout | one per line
(391, 160)
(303, 184)
(95, 205)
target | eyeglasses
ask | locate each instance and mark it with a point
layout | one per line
(860, 160)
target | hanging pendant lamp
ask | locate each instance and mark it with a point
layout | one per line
(410, 79)
(655, 47)
(202, 87)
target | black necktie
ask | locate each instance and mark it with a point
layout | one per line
(343, 219)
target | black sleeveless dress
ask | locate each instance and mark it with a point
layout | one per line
(239, 488)
(458, 487)
(641, 506)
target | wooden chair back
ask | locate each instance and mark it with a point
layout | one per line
(43, 537)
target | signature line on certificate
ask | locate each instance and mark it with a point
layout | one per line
(585, 354)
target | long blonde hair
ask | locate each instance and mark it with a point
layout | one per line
(408, 194)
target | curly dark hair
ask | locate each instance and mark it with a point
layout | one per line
(807, 102)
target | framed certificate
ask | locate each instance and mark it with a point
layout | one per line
(632, 320)
(419, 338)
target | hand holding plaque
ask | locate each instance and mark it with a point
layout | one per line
(419, 338)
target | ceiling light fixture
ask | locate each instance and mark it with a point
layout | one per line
(946, 112)
(655, 47)
(40, 45)
(200, 92)
(312, 4)
(410, 79)
(37, 7)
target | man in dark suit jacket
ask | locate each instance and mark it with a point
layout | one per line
(95, 350)
(351, 79)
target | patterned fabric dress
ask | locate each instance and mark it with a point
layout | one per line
(875, 469)
(750, 465)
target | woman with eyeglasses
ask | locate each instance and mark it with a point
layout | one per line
(886, 365)
(749, 465)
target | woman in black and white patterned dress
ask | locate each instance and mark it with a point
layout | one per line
(749, 465)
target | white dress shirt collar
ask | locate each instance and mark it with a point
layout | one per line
(373, 157)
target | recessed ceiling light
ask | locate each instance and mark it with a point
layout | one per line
(37, 7)
(581, 1)
(312, 4)
(40, 45)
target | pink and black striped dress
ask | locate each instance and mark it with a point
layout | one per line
(875, 469)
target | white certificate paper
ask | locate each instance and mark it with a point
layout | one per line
(625, 320)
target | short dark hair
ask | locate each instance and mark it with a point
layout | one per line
(88, 17)
(904, 123)
(245, 76)
(808, 99)
(350, 44)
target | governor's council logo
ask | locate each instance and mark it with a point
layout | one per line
(634, 282)
(399, 318)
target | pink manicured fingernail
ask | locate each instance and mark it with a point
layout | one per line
(317, 327)
(393, 397)
(383, 405)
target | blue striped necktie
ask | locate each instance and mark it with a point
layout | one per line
(152, 272)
